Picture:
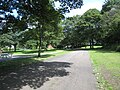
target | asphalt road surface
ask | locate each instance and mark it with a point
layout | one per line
(77, 74)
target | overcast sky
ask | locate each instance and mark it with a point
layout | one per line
(88, 4)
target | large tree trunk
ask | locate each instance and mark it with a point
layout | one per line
(39, 50)
(40, 44)
(15, 47)
(90, 44)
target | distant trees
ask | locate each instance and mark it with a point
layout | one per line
(92, 19)
(81, 30)
(10, 39)
(111, 24)
(6, 40)
(69, 31)
(95, 27)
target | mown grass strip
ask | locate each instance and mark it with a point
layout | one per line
(107, 68)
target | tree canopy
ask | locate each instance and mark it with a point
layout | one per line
(84, 29)
(38, 17)
(95, 27)
(40, 23)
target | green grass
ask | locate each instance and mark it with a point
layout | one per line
(20, 62)
(107, 68)
(88, 47)
(22, 52)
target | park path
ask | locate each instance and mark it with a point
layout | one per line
(80, 74)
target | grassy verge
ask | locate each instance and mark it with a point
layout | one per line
(88, 47)
(8, 65)
(107, 69)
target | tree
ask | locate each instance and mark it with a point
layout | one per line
(109, 4)
(110, 27)
(42, 11)
(47, 14)
(9, 39)
(81, 29)
(68, 26)
(92, 19)
(6, 40)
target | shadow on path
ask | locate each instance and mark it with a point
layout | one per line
(34, 75)
(16, 57)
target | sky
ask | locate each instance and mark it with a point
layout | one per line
(87, 4)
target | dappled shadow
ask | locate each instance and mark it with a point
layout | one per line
(85, 49)
(32, 56)
(51, 50)
(47, 55)
(16, 57)
(33, 75)
(28, 52)
(32, 51)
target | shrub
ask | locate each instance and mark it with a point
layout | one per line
(118, 48)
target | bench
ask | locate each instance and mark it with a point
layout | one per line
(5, 55)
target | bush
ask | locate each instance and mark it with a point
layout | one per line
(118, 49)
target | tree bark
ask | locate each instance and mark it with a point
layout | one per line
(90, 44)
(40, 40)
(15, 47)
(39, 50)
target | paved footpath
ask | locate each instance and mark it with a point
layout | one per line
(80, 74)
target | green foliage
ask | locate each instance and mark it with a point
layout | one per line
(118, 48)
(109, 4)
(79, 30)
(31, 44)
(110, 27)
(6, 40)
(40, 14)
(69, 32)
(92, 18)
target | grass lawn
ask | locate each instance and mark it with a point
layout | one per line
(14, 64)
(88, 47)
(107, 68)
(19, 52)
